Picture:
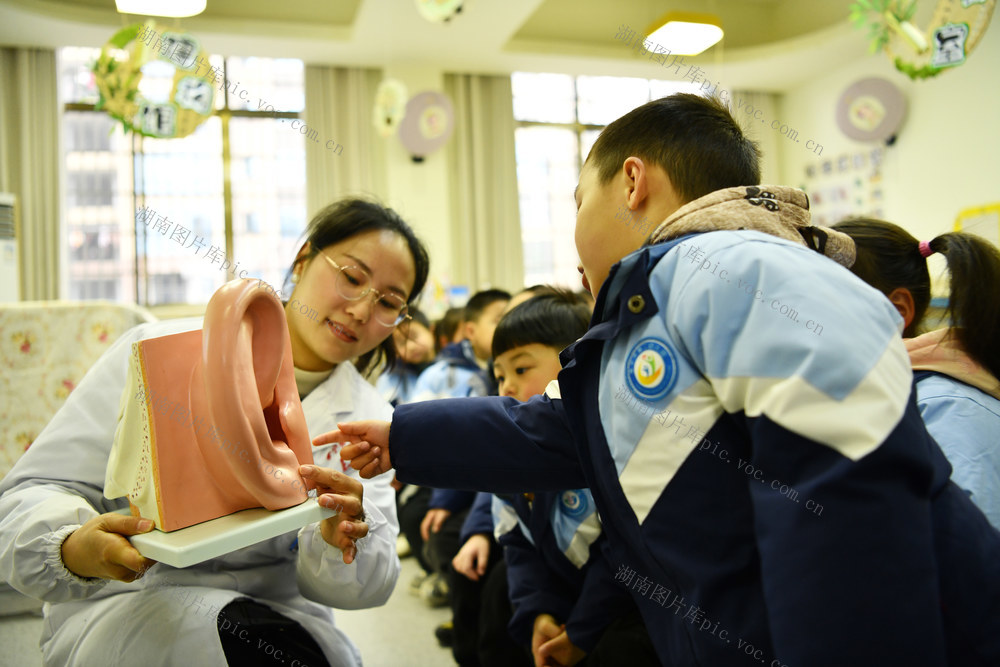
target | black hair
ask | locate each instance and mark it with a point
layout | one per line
(889, 257)
(349, 217)
(417, 315)
(480, 301)
(694, 139)
(555, 318)
(446, 327)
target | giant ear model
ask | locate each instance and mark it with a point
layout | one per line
(211, 421)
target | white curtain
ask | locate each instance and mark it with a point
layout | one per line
(349, 156)
(485, 219)
(744, 106)
(29, 163)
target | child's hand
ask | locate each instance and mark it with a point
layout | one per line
(471, 559)
(98, 548)
(546, 628)
(344, 495)
(366, 445)
(559, 651)
(433, 521)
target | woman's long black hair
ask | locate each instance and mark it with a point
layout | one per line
(349, 217)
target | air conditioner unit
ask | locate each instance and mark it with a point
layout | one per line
(9, 275)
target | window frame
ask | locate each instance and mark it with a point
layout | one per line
(136, 153)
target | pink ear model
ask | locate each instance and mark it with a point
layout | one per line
(211, 421)
(252, 397)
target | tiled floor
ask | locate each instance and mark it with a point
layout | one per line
(400, 634)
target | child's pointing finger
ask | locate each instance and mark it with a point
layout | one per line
(354, 450)
(330, 436)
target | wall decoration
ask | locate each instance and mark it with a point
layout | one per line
(427, 125)
(390, 106)
(439, 11)
(119, 70)
(953, 33)
(871, 110)
(849, 185)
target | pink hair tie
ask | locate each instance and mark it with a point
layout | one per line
(925, 249)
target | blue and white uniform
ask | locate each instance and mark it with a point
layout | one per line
(965, 422)
(742, 411)
(454, 374)
(547, 544)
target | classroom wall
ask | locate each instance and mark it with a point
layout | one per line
(420, 192)
(947, 154)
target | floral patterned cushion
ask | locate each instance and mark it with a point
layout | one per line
(46, 347)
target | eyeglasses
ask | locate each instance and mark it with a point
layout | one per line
(354, 283)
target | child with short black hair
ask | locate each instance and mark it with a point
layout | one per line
(741, 409)
(446, 329)
(526, 346)
(414, 345)
(462, 369)
(549, 538)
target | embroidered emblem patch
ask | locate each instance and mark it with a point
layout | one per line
(651, 369)
(574, 503)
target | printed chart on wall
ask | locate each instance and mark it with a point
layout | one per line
(845, 186)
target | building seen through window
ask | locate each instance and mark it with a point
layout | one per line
(191, 224)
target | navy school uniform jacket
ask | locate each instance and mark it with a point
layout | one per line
(548, 544)
(479, 521)
(742, 411)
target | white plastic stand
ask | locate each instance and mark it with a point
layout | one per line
(197, 543)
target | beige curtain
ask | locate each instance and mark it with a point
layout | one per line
(749, 109)
(349, 157)
(485, 219)
(29, 163)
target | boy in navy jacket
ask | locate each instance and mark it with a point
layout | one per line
(742, 411)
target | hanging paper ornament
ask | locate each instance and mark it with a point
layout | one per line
(439, 11)
(427, 125)
(119, 70)
(953, 33)
(390, 106)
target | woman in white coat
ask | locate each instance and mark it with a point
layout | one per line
(62, 542)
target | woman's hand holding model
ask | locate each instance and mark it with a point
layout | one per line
(344, 494)
(99, 549)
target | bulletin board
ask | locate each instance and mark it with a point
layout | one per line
(845, 186)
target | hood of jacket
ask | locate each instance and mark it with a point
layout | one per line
(772, 209)
(942, 352)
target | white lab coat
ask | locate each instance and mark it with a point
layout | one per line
(57, 486)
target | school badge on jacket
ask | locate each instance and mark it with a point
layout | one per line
(575, 503)
(651, 369)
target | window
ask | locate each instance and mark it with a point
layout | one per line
(558, 119)
(197, 233)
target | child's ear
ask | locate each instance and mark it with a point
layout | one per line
(902, 299)
(636, 180)
(469, 328)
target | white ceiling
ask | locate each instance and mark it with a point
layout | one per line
(770, 45)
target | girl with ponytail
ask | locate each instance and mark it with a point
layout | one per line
(956, 367)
